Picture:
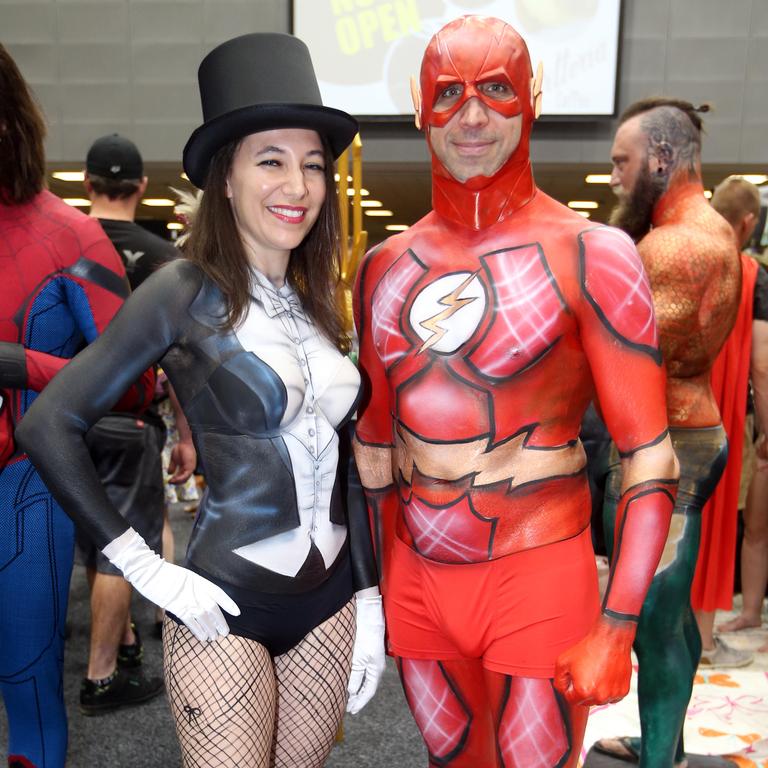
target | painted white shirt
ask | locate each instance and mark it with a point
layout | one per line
(321, 386)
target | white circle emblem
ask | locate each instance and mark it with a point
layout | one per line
(448, 311)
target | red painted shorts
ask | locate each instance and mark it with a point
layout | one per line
(517, 613)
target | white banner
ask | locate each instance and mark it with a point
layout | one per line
(365, 51)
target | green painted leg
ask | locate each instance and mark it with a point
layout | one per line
(668, 644)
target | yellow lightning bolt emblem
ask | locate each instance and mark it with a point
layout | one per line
(452, 304)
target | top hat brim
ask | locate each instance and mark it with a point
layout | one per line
(337, 127)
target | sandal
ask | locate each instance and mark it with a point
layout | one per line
(620, 748)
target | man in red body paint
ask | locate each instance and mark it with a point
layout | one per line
(485, 331)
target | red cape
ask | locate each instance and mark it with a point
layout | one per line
(713, 581)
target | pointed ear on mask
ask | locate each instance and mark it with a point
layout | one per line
(536, 91)
(416, 96)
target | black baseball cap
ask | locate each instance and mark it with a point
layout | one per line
(114, 157)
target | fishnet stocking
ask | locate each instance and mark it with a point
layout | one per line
(234, 708)
(222, 698)
(312, 692)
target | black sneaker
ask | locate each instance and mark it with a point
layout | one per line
(122, 689)
(130, 656)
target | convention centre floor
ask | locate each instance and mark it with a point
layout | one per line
(728, 711)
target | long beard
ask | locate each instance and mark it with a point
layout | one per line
(633, 212)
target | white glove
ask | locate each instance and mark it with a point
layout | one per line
(185, 594)
(368, 657)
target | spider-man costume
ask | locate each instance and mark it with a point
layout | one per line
(61, 282)
(485, 330)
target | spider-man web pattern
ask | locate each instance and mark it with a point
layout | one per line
(61, 282)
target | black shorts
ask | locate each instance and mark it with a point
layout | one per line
(126, 453)
(279, 621)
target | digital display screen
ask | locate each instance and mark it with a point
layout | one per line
(365, 51)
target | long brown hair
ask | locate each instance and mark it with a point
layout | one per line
(216, 247)
(22, 131)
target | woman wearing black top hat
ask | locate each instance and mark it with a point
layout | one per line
(249, 333)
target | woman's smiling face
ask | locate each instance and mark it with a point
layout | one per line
(276, 187)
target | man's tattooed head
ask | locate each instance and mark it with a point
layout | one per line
(658, 144)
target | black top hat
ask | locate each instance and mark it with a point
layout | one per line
(259, 82)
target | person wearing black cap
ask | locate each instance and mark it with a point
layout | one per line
(115, 183)
(249, 332)
(125, 450)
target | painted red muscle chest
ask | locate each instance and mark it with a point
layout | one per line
(500, 316)
(452, 333)
(487, 338)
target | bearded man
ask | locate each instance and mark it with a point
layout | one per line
(485, 331)
(691, 257)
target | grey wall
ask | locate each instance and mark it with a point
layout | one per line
(124, 65)
(130, 66)
(704, 50)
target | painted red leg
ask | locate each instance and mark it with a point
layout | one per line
(471, 717)
(449, 702)
(536, 727)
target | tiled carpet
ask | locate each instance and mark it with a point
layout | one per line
(728, 713)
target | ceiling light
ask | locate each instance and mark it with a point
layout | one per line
(753, 178)
(396, 227)
(708, 194)
(174, 225)
(158, 202)
(379, 212)
(69, 175)
(585, 214)
(598, 178)
(583, 204)
(336, 177)
(371, 204)
(76, 202)
(363, 192)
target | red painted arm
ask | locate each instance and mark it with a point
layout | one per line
(42, 367)
(621, 343)
(99, 276)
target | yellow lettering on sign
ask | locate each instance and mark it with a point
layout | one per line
(407, 16)
(343, 6)
(368, 22)
(384, 22)
(389, 30)
(346, 34)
